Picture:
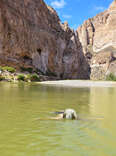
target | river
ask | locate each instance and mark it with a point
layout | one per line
(26, 128)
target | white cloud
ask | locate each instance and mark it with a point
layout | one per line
(58, 4)
(99, 8)
(67, 16)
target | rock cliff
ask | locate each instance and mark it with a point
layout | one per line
(32, 35)
(98, 38)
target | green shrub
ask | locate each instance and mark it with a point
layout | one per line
(111, 77)
(9, 69)
(34, 77)
(1, 78)
(21, 77)
(23, 69)
(0, 68)
(28, 77)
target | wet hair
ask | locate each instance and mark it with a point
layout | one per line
(70, 114)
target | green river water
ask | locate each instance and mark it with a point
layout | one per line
(26, 128)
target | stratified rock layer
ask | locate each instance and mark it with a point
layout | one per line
(31, 35)
(98, 38)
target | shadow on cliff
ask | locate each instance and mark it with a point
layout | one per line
(75, 63)
(84, 69)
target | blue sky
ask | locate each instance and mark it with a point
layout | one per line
(77, 11)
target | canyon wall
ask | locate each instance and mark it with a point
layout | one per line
(32, 35)
(98, 38)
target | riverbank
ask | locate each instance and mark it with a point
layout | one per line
(80, 83)
(44, 80)
(9, 74)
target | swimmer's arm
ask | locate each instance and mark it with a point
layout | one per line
(56, 118)
(52, 118)
(59, 117)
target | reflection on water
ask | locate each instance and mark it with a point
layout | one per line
(22, 134)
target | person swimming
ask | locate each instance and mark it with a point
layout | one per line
(71, 114)
(67, 114)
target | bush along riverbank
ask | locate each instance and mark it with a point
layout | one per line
(11, 75)
(29, 74)
(111, 77)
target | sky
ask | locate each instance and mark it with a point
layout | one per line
(77, 11)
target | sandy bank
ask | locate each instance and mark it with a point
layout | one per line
(80, 83)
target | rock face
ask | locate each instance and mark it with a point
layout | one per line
(98, 38)
(31, 35)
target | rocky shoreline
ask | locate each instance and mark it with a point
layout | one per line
(10, 74)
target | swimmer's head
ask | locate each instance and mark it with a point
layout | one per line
(70, 114)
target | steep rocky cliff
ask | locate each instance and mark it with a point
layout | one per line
(31, 35)
(98, 38)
